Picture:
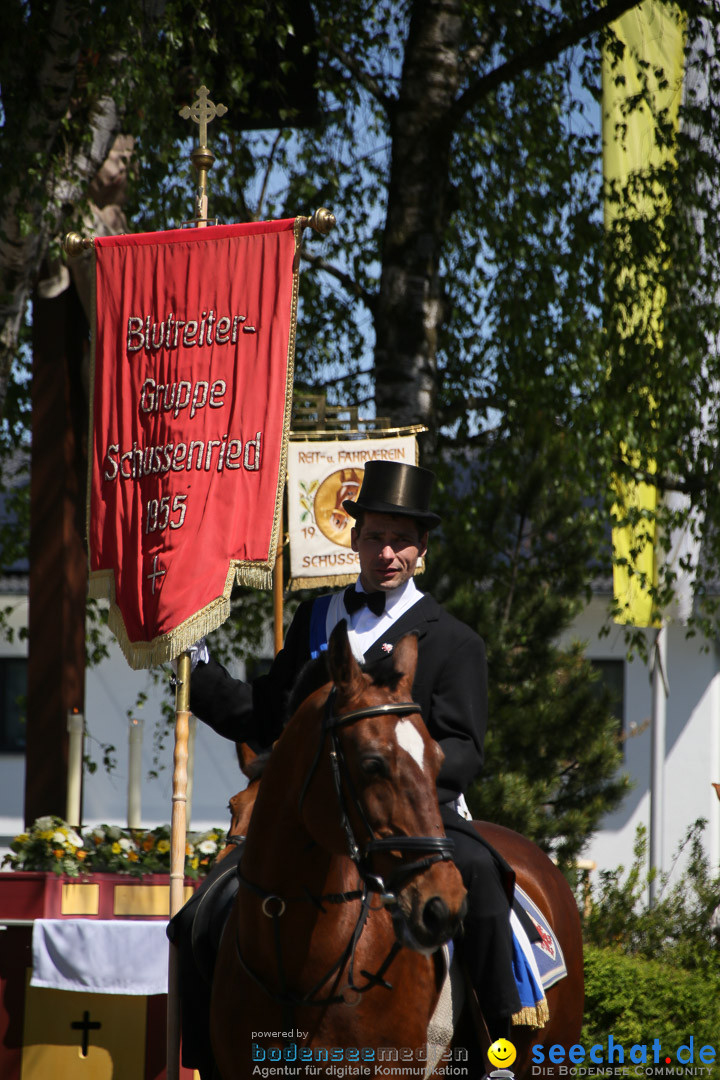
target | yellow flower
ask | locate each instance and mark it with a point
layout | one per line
(194, 863)
(133, 856)
(22, 838)
(116, 849)
(81, 855)
(163, 846)
(47, 834)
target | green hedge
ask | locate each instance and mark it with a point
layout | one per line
(637, 1000)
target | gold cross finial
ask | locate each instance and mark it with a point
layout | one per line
(203, 111)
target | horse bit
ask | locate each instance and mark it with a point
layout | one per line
(437, 849)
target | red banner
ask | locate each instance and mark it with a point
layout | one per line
(192, 385)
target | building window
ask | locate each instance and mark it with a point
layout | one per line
(13, 698)
(612, 680)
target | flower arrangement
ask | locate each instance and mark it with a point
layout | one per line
(52, 844)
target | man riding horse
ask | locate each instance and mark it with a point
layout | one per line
(392, 521)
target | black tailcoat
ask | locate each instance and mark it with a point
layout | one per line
(450, 686)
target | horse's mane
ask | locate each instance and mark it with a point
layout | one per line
(310, 678)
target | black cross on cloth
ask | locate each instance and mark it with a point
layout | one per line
(86, 1025)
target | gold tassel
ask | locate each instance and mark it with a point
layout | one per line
(257, 577)
(534, 1016)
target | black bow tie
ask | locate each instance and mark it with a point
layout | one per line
(355, 600)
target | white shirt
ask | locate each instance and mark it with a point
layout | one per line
(364, 627)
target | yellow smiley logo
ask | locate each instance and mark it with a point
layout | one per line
(502, 1053)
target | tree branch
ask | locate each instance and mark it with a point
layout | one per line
(319, 263)
(541, 53)
(364, 77)
(694, 483)
(266, 178)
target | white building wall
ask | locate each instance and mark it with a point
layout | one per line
(692, 741)
(12, 766)
(112, 689)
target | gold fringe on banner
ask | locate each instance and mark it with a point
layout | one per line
(331, 581)
(254, 575)
(166, 647)
(534, 1016)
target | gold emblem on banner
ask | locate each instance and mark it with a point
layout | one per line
(333, 521)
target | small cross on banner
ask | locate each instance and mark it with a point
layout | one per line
(155, 573)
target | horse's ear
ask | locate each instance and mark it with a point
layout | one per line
(405, 655)
(344, 668)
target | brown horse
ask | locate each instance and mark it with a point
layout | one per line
(274, 982)
(345, 862)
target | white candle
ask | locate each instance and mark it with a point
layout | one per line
(135, 738)
(76, 731)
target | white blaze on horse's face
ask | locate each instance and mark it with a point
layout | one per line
(410, 739)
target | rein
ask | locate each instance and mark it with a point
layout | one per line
(434, 848)
(439, 848)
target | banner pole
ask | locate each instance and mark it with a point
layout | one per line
(202, 112)
(278, 585)
(278, 602)
(177, 855)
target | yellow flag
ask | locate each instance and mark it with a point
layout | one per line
(650, 68)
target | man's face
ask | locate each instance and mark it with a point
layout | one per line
(389, 546)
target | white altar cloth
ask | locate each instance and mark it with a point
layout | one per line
(100, 956)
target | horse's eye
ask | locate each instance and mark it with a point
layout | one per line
(374, 767)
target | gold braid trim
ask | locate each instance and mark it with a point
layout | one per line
(336, 580)
(329, 580)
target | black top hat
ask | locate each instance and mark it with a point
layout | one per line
(391, 487)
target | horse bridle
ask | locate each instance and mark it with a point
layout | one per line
(437, 849)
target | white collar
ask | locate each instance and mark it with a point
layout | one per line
(406, 594)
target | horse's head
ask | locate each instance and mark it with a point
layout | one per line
(384, 766)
